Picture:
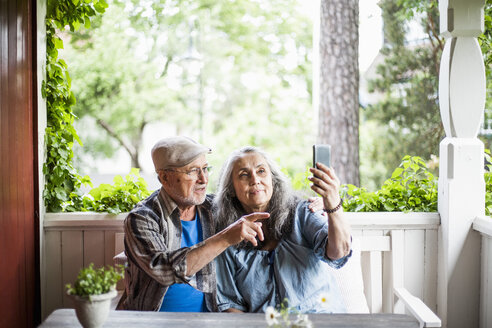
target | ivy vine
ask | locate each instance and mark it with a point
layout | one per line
(62, 180)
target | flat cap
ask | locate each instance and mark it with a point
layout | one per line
(176, 152)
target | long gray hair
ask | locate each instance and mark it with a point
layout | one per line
(281, 207)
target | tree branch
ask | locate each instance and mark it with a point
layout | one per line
(128, 147)
(169, 58)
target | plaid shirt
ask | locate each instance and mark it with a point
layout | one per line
(155, 257)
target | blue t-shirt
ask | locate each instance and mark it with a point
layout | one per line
(183, 297)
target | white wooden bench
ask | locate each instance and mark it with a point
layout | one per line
(372, 249)
(361, 279)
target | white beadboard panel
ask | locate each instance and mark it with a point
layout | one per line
(414, 262)
(398, 266)
(376, 282)
(90, 237)
(387, 291)
(430, 269)
(486, 283)
(109, 251)
(484, 226)
(367, 274)
(118, 247)
(53, 287)
(119, 242)
(93, 245)
(72, 251)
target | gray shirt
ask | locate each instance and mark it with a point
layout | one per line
(250, 279)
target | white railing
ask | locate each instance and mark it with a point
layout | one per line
(420, 238)
(73, 240)
(484, 226)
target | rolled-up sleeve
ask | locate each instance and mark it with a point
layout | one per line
(314, 228)
(146, 247)
(228, 296)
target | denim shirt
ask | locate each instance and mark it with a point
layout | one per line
(250, 279)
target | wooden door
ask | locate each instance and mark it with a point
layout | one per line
(19, 273)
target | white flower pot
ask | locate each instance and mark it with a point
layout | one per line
(92, 311)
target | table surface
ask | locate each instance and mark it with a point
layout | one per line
(67, 318)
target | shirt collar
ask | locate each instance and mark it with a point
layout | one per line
(168, 204)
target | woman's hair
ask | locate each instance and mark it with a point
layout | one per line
(227, 208)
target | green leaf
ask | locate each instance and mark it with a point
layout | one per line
(397, 172)
(87, 23)
(58, 43)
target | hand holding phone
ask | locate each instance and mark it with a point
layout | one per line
(321, 154)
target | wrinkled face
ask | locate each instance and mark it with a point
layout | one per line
(252, 180)
(184, 189)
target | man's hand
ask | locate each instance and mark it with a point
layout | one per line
(246, 228)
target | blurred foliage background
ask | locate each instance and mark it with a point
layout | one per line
(235, 73)
(226, 73)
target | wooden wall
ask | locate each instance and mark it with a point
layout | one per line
(19, 273)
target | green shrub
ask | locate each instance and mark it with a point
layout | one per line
(122, 196)
(92, 281)
(412, 187)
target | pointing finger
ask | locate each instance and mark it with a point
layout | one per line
(257, 216)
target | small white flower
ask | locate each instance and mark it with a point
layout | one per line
(323, 300)
(271, 316)
(302, 322)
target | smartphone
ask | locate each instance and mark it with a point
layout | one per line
(321, 154)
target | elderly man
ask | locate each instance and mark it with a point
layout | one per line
(168, 240)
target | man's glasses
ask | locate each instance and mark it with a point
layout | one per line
(195, 172)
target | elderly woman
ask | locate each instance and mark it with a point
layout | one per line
(289, 258)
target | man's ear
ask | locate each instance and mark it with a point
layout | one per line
(162, 176)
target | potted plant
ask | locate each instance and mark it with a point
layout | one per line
(92, 293)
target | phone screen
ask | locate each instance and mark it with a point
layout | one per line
(322, 154)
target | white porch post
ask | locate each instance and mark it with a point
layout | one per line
(461, 182)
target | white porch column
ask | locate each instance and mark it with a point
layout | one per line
(461, 182)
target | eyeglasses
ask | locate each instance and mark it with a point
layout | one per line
(195, 172)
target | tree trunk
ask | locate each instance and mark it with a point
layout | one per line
(339, 86)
